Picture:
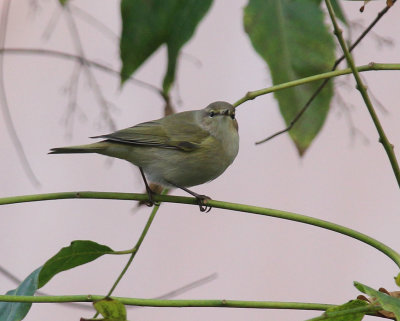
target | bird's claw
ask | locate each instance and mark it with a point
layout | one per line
(151, 201)
(202, 202)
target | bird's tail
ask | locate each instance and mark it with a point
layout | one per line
(90, 148)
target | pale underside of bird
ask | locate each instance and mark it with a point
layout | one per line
(180, 150)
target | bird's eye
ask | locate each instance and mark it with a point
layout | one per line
(211, 114)
(233, 116)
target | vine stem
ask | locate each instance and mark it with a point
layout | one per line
(363, 91)
(135, 249)
(389, 252)
(371, 66)
(170, 303)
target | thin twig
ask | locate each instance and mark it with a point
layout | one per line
(92, 79)
(378, 103)
(363, 91)
(379, 39)
(354, 131)
(86, 61)
(135, 249)
(51, 25)
(72, 92)
(4, 102)
(9, 275)
(90, 19)
(323, 84)
(187, 287)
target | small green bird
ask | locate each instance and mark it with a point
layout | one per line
(180, 150)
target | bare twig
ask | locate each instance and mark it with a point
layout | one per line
(9, 275)
(379, 104)
(92, 79)
(4, 102)
(346, 111)
(90, 19)
(323, 84)
(72, 91)
(192, 58)
(379, 39)
(188, 287)
(86, 61)
(34, 5)
(55, 17)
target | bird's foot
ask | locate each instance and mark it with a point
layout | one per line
(202, 202)
(150, 202)
(201, 199)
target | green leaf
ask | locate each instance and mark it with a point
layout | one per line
(63, 2)
(387, 302)
(294, 41)
(111, 310)
(15, 311)
(337, 8)
(78, 253)
(345, 312)
(147, 24)
(397, 279)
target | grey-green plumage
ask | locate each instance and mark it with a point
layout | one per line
(179, 150)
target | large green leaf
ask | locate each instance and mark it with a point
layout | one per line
(78, 253)
(294, 41)
(387, 302)
(16, 311)
(147, 24)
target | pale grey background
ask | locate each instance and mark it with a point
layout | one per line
(340, 179)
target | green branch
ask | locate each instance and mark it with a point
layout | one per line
(169, 303)
(392, 254)
(371, 66)
(135, 249)
(363, 91)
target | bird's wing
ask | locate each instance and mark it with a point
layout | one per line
(185, 136)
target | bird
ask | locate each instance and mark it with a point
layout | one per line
(177, 151)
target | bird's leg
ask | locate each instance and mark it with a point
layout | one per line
(150, 193)
(201, 199)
